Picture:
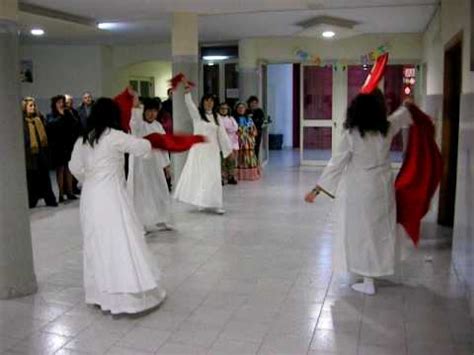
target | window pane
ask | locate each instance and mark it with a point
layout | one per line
(317, 143)
(356, 75)
(211, 79)
(317, 101)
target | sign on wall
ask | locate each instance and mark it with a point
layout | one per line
(26, 71)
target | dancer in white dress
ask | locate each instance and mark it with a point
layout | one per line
(119, 274)
(146, 182)
(359, 175)
(200, 182)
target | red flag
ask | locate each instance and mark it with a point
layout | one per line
(174, 142)
(420, 174)
(375, 75)
(125, 101)
(177, 79)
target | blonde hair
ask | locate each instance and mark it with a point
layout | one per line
(24, 104)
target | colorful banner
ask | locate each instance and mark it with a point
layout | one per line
(365, 59)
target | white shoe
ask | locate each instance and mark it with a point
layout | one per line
(220, 211)
(367, 287)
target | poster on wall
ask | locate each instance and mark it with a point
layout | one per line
(26, 71)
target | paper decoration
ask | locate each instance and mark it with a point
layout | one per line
(365, 59)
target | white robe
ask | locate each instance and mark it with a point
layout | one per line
(146, 182)
(200, 183)
(119, 273)
(360, 176)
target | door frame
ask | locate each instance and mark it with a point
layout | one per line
(450, 130)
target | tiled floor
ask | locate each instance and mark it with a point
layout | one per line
(257, 280)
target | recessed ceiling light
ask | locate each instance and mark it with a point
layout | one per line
(37, 32)
(106, 25)
(329, 34)
(215, 57)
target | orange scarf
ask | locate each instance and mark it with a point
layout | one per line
(35, 126)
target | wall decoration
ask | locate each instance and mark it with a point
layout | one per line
(26, 71)
(365, 59)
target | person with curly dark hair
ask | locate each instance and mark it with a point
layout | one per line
(359, 176)
(63, 130)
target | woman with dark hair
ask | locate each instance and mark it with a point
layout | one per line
(247, 163)
(37, 155)
(119, 273)
(359, 176)
(63, 130)
(200, 182)
(258, 117)
(146, 182)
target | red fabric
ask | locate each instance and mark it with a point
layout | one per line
(125, 102)
(177, 79)
(375, 75)
(166, 121)
(174, 143)
(419, 176)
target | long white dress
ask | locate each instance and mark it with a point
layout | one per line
(119, 273)
(366, 239)
(200, 183)
(146, 182)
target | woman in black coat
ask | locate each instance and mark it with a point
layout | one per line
(37, 155)
(63, 130)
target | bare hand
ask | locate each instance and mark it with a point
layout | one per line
(136, 100)
(310, 197)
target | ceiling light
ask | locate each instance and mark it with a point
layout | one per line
(106, 25)
(215, 57)
(37, 32)
(329, 34)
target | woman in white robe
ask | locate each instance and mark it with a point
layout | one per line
(146, 182)
(119, 273)
(200, 183)
(360, 177)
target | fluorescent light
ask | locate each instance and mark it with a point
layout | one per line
(37, 32)
(329, 34)
(106, 25)
(215, 57)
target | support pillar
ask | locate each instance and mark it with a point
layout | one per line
(185, 51)
(248, 69)
(17, 277)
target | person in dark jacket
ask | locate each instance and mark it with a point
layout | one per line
(258, 117)
(168, 103)
(85, 109)
(63, 130)
(37, 155)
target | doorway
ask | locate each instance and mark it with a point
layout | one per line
(450, 131)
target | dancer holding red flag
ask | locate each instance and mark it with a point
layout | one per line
(368, 241)
(119, 273)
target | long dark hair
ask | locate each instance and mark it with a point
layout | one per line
(54, 101)
(368, 113)
(105, 114)
(202, 112)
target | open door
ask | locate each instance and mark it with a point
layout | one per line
(450, 131)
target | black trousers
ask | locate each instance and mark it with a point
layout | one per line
(39, 186)
(258, 142)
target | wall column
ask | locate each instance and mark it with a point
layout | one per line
(17, 277)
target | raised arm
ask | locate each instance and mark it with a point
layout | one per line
(136, 122)
(400, 119)
(193, 110)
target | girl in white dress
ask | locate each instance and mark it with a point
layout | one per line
(119, 273)
(359, 175)
(146, 182)
(200, 181)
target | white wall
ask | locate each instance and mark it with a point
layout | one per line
(62, 70)
(280, 101)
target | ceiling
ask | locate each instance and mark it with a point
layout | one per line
(219, 21)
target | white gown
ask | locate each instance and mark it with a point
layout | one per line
(146, 182)
(119, 273)
(200, 183)
(366, 240)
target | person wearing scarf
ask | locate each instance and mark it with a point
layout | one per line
(247, 162)
(36, 153)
